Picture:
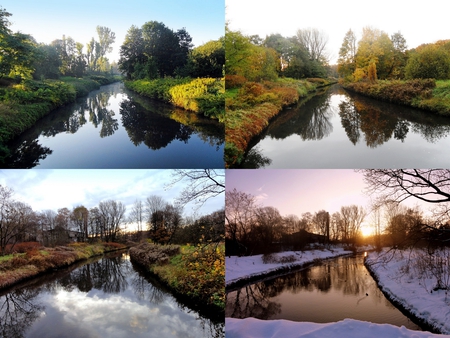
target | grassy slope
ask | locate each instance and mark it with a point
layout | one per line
(17, 267)
(193, 271)
(250, 107)
(425, 94)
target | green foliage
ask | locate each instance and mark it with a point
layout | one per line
(205, 96)
(430, 61)
(207, 60)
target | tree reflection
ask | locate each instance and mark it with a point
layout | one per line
(18, 312)
(27, 155)
(152, 129)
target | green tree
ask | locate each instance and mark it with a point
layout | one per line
(430, 61)
(347, 55)
(132, 53)
(207, 60)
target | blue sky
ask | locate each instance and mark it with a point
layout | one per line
(53, 189)
(48, 20)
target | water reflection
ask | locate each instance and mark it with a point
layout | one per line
(106, 298)
(355, 127)
(335, 290)
(114, 128)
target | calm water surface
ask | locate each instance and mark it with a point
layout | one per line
(337, 129)
(116, 128)
(105, 298)
(338, 289)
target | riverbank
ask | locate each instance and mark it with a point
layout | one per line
(251, 105)
(241, 270)
(427, 94)
(36, 260)
(407, 278)
(202, 95)
(195, 273)
(21, 105)
(348, 328)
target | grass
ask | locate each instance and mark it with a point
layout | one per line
(203, 95)
(250, 106)
(426, 94)
(197, 272)
(22, 104)
(19, 266)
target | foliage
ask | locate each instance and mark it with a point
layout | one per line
(205, 96)
(17, 267)
(154, 51)
(234, 81)
(430, 61)
(207, 60)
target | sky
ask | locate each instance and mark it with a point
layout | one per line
(296, 191)
(424, 23)
(48, 20)
(54, 189)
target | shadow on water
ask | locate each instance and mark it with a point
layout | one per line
(96, 298)
(356, 127)
(113, 126)
(337, 289)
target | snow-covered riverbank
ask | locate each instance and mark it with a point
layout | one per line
(407, 278)
(348, 328)
(248, 267)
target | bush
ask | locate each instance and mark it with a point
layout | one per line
(234, 81)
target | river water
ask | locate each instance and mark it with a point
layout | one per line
(115, 128)
(339, 288)
(337, 129)
(107, 297)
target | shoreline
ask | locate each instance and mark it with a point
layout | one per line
(38, 265)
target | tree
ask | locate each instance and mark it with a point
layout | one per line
(80, 218)
(202, 184)
(111, 217)
(430, 61)
(321, 222)
(15, 219)
(315, 42)
(347, 55)
(396, 185)
(239, 215)
(207, 60)
(137, 216)
(351, 219)
(106, 38)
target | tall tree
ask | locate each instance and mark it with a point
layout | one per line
(347, 55)
(315, 42)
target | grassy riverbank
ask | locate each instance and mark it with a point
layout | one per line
(21, 105)
(36, 259)
(251, 105)
(428, 94)
(202, 95)
(195, 272)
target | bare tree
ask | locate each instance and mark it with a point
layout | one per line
(202, 184)
(112, 216)
(351, 219)
(314, 41)
(137, 216)
(239, 214)
(321, 222)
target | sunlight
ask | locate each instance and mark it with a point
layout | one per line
(366, 231)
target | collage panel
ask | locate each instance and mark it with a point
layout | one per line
(112, 86)
(112, 253)
(337, 252)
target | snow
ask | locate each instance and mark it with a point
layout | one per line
(242, 268)
(405, 282)
(348, 328)
(397, 276)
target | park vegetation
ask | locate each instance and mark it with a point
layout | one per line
(162, 64)
(35, 78)
(265, 75)
(381, 66)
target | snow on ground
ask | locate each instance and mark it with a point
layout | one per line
(241, 268)
(347, 328)
(408, 280)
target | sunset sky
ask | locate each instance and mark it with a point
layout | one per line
(298, 191)
(418, 24)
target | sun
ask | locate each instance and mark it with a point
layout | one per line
(366, 231)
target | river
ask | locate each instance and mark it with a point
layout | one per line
(104, 297)
(337, 289)
(115, 128)
(337, 129)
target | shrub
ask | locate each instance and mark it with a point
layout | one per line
(234, 81)
(269, 258)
